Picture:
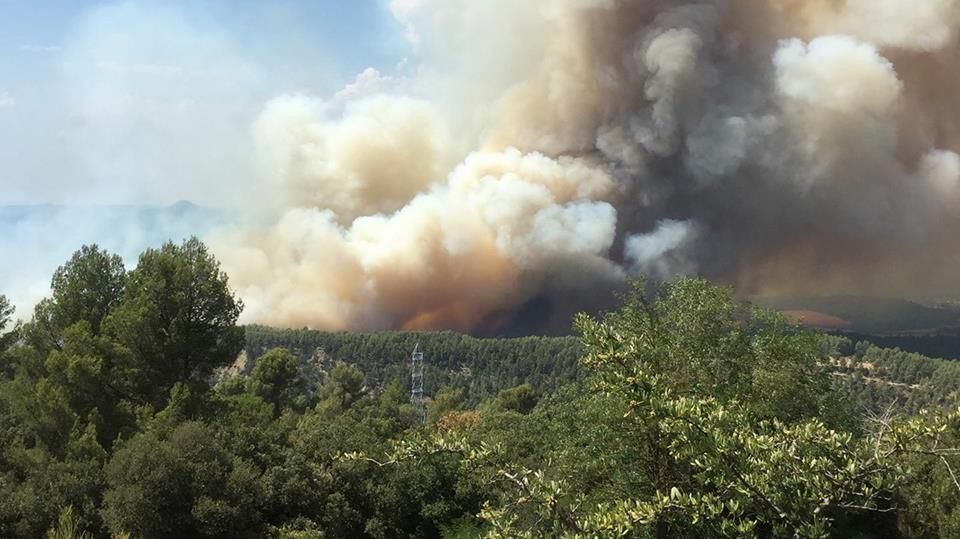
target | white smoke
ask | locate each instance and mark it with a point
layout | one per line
(462, 250)
(552, 148)
(660, 253)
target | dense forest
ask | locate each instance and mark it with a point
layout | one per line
(938, 345)
(478, 367)
(872, 377)
(128, 409)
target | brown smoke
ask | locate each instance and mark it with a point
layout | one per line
(549, 149)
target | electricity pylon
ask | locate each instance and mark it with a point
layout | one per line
(416, 383)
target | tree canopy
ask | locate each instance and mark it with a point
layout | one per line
(702, 417)
(7, 334)
(126, 409)
(177, 316)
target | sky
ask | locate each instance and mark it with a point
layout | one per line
(150, 101)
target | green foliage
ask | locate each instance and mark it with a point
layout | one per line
(277, 380)
(68, 527)
(447, 399)
(178, 316)
(835, 346)
(480, 367)
(344, 386)
(81, 383)
(181, 484)
(85, 289)
(682, 414)
(521, 399)
(879, 377)
(6, 311)
(8, 335)
(38, 485)
(694, 339)
(705, 443)
(298, 530)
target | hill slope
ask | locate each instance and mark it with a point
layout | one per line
(881, 316)
(481, 367)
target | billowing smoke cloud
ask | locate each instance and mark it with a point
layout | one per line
(661, 254)
(548, 149)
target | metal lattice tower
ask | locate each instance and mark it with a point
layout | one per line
(416, 383)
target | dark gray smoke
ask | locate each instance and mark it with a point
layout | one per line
(546, 150)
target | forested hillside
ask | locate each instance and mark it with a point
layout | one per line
(878, 378)
(939, 345)
(681, 414)
(479, 367)
(873, 377)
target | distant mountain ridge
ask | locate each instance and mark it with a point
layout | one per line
(12, 213)
(106, 223)
(36, 239)
(874, 315)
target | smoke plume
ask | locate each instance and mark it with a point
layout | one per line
(546, 150)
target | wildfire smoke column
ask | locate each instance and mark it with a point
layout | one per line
(549, 149)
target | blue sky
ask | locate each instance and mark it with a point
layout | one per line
(150, 101)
